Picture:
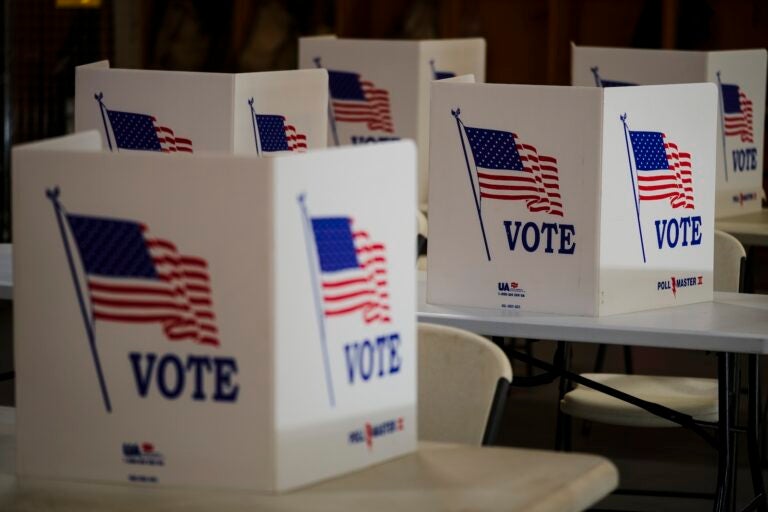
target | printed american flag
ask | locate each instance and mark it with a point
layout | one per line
(134, 278)
(276, 135)
(141, 132)
(512, 171)
(663, 172)
(353, 270)
(355, 100)
(737, 113)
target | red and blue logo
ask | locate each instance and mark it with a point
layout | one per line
(675, 284)
(370, 431)
(143, 453)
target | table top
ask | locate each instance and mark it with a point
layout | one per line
(436, 477)
(750, 228)
(733, 322)
(6, 273)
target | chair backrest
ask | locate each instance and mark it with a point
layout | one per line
(729, 258)
(463, 384)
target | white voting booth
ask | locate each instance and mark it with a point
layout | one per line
(741, 79)
(379, 89)
(571, 200)
(265, 113)
(217, 320)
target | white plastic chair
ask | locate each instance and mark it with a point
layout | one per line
(695, 397)
(463, 385)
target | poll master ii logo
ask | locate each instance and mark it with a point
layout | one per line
(370, 431)
(349, 279)
(676, 283)
(660, 171)
(133, 278)
(507, 169)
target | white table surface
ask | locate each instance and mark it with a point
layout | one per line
(6, 274)
(437, 477)
(750, 228)
(733, 322)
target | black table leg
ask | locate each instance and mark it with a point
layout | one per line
(753, 431)
(724, 433)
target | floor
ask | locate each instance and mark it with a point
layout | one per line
(657, 459)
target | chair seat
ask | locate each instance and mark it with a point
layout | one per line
(692, 396)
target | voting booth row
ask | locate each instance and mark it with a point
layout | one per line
(190, 312)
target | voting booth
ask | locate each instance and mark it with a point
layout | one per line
(740, 76)
(213, 320)
(265, 113)
(571, 200)
(379, 89)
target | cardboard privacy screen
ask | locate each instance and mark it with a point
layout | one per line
(379, 90)
(571, 200)
(741, 78)
(171, 111)
(215, 320)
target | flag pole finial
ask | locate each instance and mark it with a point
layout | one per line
(250, 102)
(317, 62)
(594, 71)
(623, 118)
(98, 97)
(53, 193)
(456, 113)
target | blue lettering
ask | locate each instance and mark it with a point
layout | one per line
(395, 361)
(365, 359)
(349, 356)
(512, 240)
(162, 376)
(547, 228)
(684, 223)
(566, 245)
(131, 450)
(366, 373)
(695, 231)
(170, 374)
(669, 230)
(226, 391)
(744, 159)
(660, 232)
(672, 239)
(197, 364)
(530, 226)
(531, 237)
(381, 343)
(367, 139)
(142, 381)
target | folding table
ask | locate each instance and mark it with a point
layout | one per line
(436, 477)
(732, 324)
